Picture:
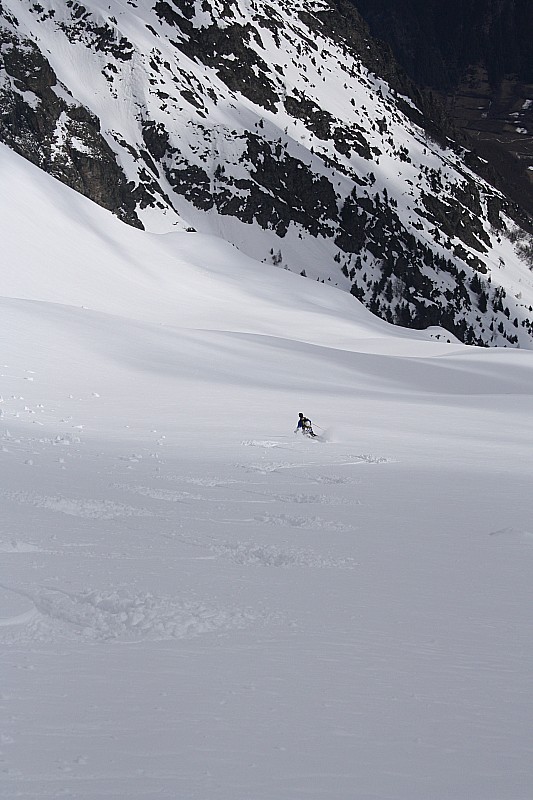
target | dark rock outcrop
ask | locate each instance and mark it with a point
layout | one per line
(60, 137)
(478, 58)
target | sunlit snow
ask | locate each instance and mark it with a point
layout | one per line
(195, 602)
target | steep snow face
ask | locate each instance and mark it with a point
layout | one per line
(197, 604)
(80, 256)
(268, 127)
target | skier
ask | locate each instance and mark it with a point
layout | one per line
(304, 425)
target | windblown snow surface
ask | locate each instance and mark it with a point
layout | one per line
(197, 604)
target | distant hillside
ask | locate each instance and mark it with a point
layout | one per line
(479, 56)
(285, 130)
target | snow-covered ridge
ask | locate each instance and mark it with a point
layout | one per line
(267, 127)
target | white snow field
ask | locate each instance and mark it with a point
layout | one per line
(197, 604)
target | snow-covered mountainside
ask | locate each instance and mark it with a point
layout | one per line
(197, 604)
(280, 128)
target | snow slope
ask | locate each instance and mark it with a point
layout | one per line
(195, 602)
(283, 129)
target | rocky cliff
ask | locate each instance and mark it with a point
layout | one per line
(286, 130)
(478, 57)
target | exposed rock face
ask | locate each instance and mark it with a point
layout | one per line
(437, 40)
(478, 56)
(285, 129)
(41, 122)
(499, 121)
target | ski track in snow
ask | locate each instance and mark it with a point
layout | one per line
(313, 499)
(121, 615)
(309, 523)
(514, 534)
(159, 494)
(84, 508)
(313, 523)
(256, 554)
(368, 458)
(267, 555)
(16, 546)
(262, 497)
(198, 480)
(260, 443)
(332, 480)
(264, 467)
(101, 616)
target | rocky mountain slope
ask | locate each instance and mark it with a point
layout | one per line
(478, 57)
(284, 129)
